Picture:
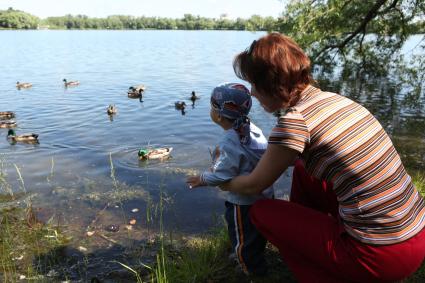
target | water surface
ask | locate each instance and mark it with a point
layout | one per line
(69, 172)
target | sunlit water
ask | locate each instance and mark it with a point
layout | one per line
(69, 172)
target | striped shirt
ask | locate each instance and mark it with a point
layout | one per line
(343, 143)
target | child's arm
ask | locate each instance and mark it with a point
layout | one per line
(225, 167)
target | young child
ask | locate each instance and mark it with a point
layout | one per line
(237, 153)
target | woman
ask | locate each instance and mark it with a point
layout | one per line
(354, 214)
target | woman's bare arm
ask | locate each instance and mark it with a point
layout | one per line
(272, 164)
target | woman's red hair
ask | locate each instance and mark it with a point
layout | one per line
(277, 67)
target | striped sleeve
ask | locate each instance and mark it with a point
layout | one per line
(291, 131)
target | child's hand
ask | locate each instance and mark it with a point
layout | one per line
(216, 154)
(194, 181)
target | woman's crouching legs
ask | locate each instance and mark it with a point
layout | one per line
(316, 247)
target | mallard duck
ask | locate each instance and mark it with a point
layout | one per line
(23, 85)
(7, 124)
(28, 138)
(155, 153)
(180, 105)
(7, 115)
(72, 83)
(193, 97)
(112, 109)
(136, 91)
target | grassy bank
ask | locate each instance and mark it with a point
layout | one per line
(27, 249)
(44, 251)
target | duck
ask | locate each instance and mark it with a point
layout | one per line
(7, 124)
(154, 153)
(28, 138)
(72, 83)
(136, 91)
(23, 85)
(112, 109)
(6, 115)
(180, 105)
(193, 97)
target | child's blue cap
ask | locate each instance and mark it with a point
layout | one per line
(233, 101)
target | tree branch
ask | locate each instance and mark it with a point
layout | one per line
(392, 6)
(373, 12)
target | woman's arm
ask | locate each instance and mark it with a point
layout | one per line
(271, 165)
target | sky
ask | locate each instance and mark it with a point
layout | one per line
(157, 8)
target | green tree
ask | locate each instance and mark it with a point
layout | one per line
(364, 35)
(15, 19)
(114, 22)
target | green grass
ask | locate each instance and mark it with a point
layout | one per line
(26, 248)
(206, 259)
(200, 259)
(419, 181)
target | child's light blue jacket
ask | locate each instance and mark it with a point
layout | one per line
(231, 159)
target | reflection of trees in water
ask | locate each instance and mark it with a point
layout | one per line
(399, 106)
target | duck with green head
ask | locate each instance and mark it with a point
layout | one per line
(157, 153)
(28, 138)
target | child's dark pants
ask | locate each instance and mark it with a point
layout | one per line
(247, 243)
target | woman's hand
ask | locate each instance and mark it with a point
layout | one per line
(194, 181)
(226, 186)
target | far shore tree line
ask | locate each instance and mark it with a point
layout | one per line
(15, 19)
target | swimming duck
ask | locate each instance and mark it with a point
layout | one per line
(28, 138)
(112, 109)
(155, 153)
(7, 124)
(180, 105)
(136, 91)
(6, 115)
(23, 85)
(72, 83)
(193, 96)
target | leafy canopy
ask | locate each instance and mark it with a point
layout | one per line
(360, 35)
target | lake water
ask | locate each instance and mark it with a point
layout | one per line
(69, 173)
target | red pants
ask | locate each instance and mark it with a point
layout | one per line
(315, 246)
